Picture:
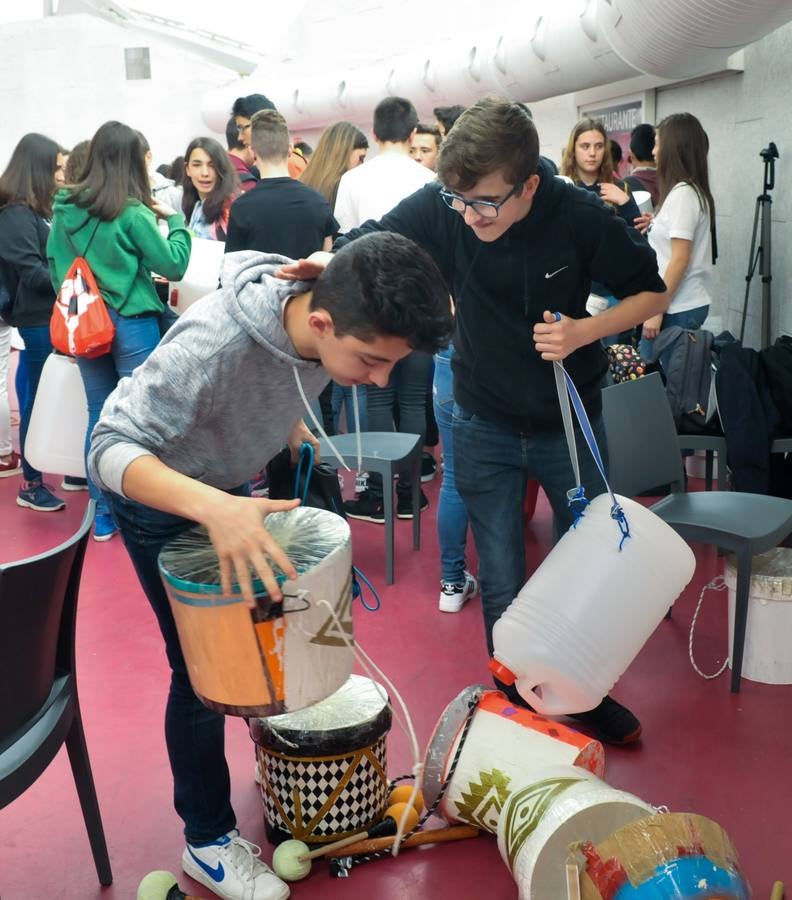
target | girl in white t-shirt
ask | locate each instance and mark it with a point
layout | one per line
(681, 230)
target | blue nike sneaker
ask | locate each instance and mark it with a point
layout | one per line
(231, 867)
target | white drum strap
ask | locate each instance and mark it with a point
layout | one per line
(717, 584)
(576, 497)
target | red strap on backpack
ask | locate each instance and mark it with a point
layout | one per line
(80, 324)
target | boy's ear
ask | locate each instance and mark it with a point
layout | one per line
(320, 322)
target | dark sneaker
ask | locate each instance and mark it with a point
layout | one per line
(428, 467)
(365, 507)
(404, 507)
(74, 483)
(12, 466)
(611, 722)
(37, 495)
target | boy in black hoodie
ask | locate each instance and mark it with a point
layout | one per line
(517, 245)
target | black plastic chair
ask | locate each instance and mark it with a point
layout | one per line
(39, 705)
(643, 450)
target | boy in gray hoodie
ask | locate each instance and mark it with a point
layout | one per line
(178, 441)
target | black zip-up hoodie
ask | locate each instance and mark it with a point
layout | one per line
(545, 261)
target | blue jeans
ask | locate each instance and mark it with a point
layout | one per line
(406, 388)
(493, 466)
(134, 339)
(452, 518)
(342, 400)
(690, 318)
(37, 348)
(194, 734)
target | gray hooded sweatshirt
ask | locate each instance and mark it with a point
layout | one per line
(217, 398)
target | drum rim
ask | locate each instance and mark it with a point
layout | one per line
(453, 715)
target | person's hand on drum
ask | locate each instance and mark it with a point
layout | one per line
(305, 269)
(244, 546)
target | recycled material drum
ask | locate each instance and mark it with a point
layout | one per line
(671, 856)
(550, 810)
(505, 744)
(277, 657)
(323, 769)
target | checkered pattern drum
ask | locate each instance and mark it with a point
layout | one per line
(322, 800)
(324, 768)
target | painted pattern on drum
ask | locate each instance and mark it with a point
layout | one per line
(482, 802)
(321, 799)
(526, 809)
(329, 634)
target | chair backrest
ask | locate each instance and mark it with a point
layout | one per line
(643, 448)
(38, 607)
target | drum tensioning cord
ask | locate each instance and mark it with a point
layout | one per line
(341, 866)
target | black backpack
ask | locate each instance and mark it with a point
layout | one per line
(688, 374)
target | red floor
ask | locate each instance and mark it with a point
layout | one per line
(704, 750)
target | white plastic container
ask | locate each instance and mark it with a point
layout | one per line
(55, 439)
(202, 275)
(767, 656)
(552, 810)
(589, 608)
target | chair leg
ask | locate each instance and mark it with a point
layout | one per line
(416, 501)
(86, 791)
(744, 563)
(708, 469)
(722, 472)
(387, 509)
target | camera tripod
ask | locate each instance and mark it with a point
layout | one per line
(762, 255)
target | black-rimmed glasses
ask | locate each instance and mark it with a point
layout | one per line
(487, 209)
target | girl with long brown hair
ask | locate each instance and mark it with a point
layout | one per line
(588, 162)
(682, 229)
(341, 147)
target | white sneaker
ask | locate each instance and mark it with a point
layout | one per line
(454, 596)
(231, 868)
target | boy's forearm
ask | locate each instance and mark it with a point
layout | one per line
(149, 481)
(627, 313)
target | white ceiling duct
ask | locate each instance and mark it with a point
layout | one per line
(693, 38)
(565, 47)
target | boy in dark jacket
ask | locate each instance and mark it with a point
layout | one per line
(517, 245)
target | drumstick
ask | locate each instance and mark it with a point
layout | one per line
(778, 891)
(430, 836)
(379, 831)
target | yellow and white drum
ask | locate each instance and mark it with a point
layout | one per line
(504, 745)
(324, 769)
(552, 809)
(277, 657)
(671, 856)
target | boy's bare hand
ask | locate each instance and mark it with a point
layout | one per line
(556, 340)
(305, 269)
(236, 529)
(300, 435)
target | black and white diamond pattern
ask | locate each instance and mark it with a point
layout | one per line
(298, 793)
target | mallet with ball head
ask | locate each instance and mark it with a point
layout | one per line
(291, 860)
(161, 885)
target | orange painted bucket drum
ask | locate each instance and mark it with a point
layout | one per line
(277, 657)
(500, 749)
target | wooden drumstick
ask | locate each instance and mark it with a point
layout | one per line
(430, 836)
(379, 831)
(778, 891)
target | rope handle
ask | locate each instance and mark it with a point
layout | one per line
(717, 584)
(576, 497)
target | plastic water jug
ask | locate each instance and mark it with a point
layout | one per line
(55, 439)
(202, 275)
(585, 613)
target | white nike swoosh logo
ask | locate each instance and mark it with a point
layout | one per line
(550, 274)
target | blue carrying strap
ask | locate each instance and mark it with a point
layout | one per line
(576, 497)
